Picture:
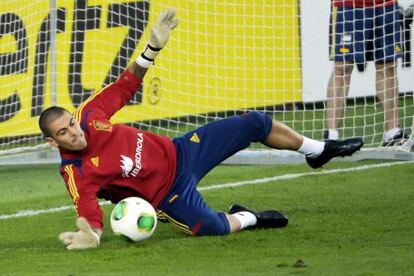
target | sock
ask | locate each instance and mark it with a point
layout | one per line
(388, 135)
(311, 148)
(333, 134)
(245, 218)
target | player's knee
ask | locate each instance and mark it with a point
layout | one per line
(260, 124)
(214, 225)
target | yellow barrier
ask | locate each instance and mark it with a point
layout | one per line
(223, 56)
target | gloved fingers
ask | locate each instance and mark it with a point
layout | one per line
(173, 24)
(66, 237)
(166, 18)
(169, 19)
(73, 246)
(84, 238)
(162, 18)
(81, 241)
(170, 14)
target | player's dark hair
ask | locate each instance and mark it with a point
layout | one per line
(49, 115)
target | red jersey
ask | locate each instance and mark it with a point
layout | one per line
(119, 161)
(363, 3)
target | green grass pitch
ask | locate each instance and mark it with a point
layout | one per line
(343, 223)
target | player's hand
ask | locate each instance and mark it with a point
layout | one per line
(159, 36)
(160, 33)
(86, 237)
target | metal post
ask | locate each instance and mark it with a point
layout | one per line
(53, 65)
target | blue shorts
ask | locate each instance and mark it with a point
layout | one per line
(198, 152)
(365, 34)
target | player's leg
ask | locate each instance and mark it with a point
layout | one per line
(203, 149)
(387, 93)
(338, 87)
(185, 208)
(317, 153)
(341, 52)
(191, 215)
(387, 51)
(206, 147)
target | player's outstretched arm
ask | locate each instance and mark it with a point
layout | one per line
(112, 98)
(86, 237)
(159, 36)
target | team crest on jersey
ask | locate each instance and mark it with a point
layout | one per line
(95, 161)
(102, 125)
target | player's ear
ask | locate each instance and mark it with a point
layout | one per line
(52, 142)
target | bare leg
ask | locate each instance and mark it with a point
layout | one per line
(387, 93)
(283, 137)
(338, 88)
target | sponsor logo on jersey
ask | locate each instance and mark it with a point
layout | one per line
(195, 138)
(127, 165)
(346, 39)
(102, 125)
(95, 161)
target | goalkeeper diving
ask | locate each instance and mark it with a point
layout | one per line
(114, 161)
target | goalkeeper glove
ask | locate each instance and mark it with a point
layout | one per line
(86, 237)
(159, 36)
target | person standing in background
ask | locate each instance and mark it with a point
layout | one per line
(361, 31)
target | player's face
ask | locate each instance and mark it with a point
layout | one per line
(66, 133)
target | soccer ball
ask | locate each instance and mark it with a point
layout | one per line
(134, 219)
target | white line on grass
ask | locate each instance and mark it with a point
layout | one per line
(29, 212)
(298, 175)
